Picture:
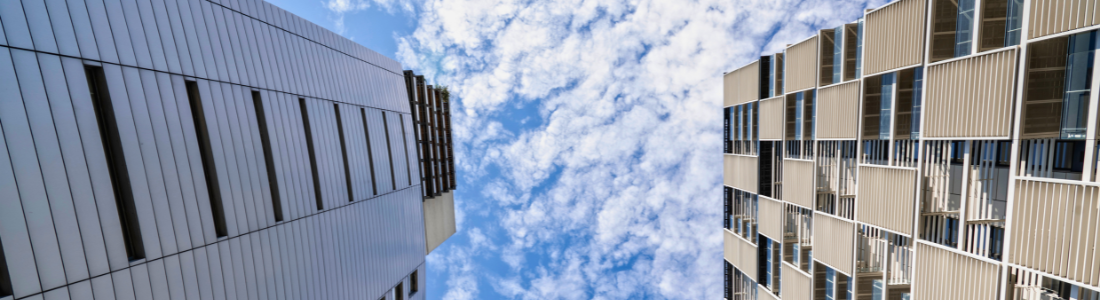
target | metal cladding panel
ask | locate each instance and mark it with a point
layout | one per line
(740, 253)
(798, 182)
(801, 66)
(770, 118)
(839, 238)
(771, 218)
(943, 274)
(894, 36)
(1055, 228)
(741, 85)
(972, 97)
(740, 172)
(885, 197)
(797, 285)
(1055, 16)
(838, 111)
(74, 245)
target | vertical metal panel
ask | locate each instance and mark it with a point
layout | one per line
(894, 36)
(157, 87)
(210, 94)
(159, 32)
(943, 274)
(13, 225)
(158, 279)
(1054, 229)
(38, 20)
(770, 118)
(980, 106)
(801, 66)
(141, 85)
(837, 236)
(1055, 16)
(740, 172)
(742, 85)
(837, 111)
(796, 285)
(771, 217)
(740, 253)
(213, 39)
(885, 197)
(123, 285)
(138, 39)
(178, 40)
(174, 95)
(798, 182)
(139, 276)
(101, 27)
(62, 25)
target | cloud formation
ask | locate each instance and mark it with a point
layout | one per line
(612, 190)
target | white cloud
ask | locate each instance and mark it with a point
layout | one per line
(628, 93)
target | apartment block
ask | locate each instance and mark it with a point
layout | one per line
(931, 149)
(211, 149)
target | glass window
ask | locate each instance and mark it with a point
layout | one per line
(887, 100)
(918, 89)
(838, 54)
(771, 76)
(878, 290)
(963, 28)
(1015, 20)
(1075, 102)
(859, 48)
(729, 119)
(798, 116)
(830, 284)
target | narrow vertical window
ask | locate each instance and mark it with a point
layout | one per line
(1015, 21)
(344, 151)
(116, 163)
(312, 155)
(398, 292)
(213, 189)
(370, 153)
(413, 285)
(964, 27)
(5, 277)
(269, 160)
(389, 149)
(405, 143)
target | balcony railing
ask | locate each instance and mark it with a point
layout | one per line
(872, 253)
(901, 265)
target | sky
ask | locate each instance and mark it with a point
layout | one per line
(588, 132)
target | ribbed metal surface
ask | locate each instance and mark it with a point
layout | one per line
(59, 222)
(943, 274)
(838, 237)
(1055, 228)
(770, 118)
(886, 197)
(741, 85)
(798, 182)
(972, 97)
(740, 172)
(801, 66)
(740, 253)
(796, 285)
(771, 218)
(1056, 16)
(838, 111)
(894, 36)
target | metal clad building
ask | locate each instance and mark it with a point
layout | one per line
(948, 150)
(195, 149)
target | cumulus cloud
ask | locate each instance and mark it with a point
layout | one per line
(613, 191)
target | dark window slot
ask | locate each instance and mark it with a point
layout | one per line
(370, 152)
(116, 163)
(405, 143)
(312, 155)
(213, 189)
(269, 160)
(344, 151)
(413, 285)
(389, 150)
(5, 278)
(398, 292)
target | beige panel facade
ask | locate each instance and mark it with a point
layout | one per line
(838, 111)
(943, 274)
(894, 36)
(740, 253)
(1055, 16)
(885, 197)
(439, 219)
(972, 97)
(741, 85)
(796, 284)
(771, 218)
(740, 172)
(838, 238)
(801, 64)
(1055, 228)
(798, 182)
(771, 119)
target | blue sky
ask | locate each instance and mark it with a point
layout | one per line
(588, 132)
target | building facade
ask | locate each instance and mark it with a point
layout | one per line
(221, 149)
(931, 149)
